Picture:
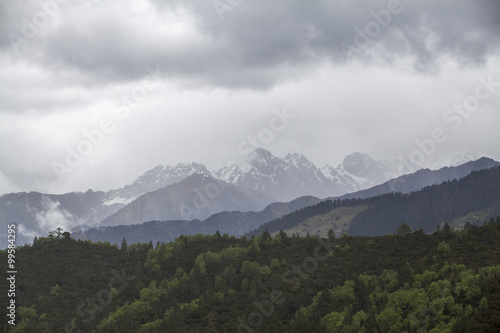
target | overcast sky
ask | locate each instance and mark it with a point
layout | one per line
(94, 93)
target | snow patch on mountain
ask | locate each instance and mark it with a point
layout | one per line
(118, 200)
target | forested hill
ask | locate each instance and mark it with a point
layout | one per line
(445, 282)
(473, 198)
(431, 206)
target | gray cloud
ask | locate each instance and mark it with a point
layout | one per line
(258, 44)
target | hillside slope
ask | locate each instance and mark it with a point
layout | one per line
(447, 281)
(479, 192)
(422, 178)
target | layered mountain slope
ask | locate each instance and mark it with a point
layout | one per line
(473, 198)
(195, 197)
(234, 223)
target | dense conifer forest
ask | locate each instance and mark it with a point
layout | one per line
(448, 281)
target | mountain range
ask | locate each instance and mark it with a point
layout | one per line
(294, 175)
(167, 192)
(304, 216)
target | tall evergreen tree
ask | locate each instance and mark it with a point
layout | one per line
(124, 245)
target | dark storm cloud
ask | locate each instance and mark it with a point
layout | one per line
(260, 44)
(298, 32)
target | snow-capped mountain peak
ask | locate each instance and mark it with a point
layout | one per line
(294, 175)
(299, 160)
(261, 157)
(161, 176)
(154, 179)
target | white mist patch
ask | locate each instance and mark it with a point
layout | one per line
(6, 185)
(53, 216)
(27, 232)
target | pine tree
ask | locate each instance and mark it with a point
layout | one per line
(331, 234)
(124, 245)
(266, 235)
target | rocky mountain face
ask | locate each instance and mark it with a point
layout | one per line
(284, 179)
(152, 180)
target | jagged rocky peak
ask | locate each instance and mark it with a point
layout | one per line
(261, 156)
(298, 160)
(156, 178)
(199, 176)
(192, 167)
(181, 170)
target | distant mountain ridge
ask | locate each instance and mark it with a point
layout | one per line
(422, 178)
